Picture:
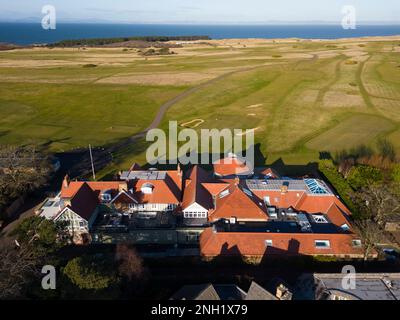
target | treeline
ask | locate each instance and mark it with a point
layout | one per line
(368, 181)
(107, 41)
(354, 173)
(22, 170)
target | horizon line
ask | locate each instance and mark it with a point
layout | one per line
(211, 23)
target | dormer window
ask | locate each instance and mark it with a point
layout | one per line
(224, 194)
(147, 188)
(319, 218)
(105, 196)
(345, 227)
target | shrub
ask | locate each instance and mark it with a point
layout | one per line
(362, 176)
(340, 184)
(89, 272)
(396, 173)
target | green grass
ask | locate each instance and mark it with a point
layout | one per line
(64, 106)
(353, 131)
(77, 115)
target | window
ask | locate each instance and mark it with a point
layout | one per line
(319, 218)
(322, 244)
(248, 192)
(345, 227)
(224, 193)
(268, 243)
(106, 197)
(356, 243)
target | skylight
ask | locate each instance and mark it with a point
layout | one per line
(315, 186)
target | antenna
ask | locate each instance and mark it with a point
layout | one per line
(91, 160)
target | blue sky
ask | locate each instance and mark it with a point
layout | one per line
(201, 11)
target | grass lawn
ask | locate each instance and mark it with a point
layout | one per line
(303, 97)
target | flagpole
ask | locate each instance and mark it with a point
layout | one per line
(91, 160)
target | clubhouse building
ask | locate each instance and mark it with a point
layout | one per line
(231, 211)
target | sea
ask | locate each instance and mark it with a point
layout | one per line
(33, 33)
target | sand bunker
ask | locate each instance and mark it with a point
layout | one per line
(246, 132)
(190, 124)
(253, 106)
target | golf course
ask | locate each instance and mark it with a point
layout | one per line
(303, 97)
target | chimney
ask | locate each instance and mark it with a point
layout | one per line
(214, 198)
(65, 183)
(179, 170)
(122, 186)
(285, 187)
(237, 181)
(283, 293)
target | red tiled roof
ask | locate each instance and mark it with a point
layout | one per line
(231, 166)
(194, 190)
(253, 244)
(96, 186)
(280, 200)
(215, 188)
(84, 201)
(268, 172)
(164, 192)
(238, 204)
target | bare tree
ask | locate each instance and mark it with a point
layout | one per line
(130, 263)
(378, 202)
(22, 170)
(16, 268)
(370, 234)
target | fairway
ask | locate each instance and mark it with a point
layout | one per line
(302, 97)
(352, 132)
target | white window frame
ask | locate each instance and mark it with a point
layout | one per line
(356, 243)
(106, 197)
(327, 242)
(268, 243)
(345, 227)
(320, 218)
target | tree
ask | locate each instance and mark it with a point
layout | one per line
(22, 170)
(37, 239)
(17, 267)
(131, 269)
(362, 176)
(130, 264)
(370, 234)
(377, 202)
(41, 236)
(90, 272)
